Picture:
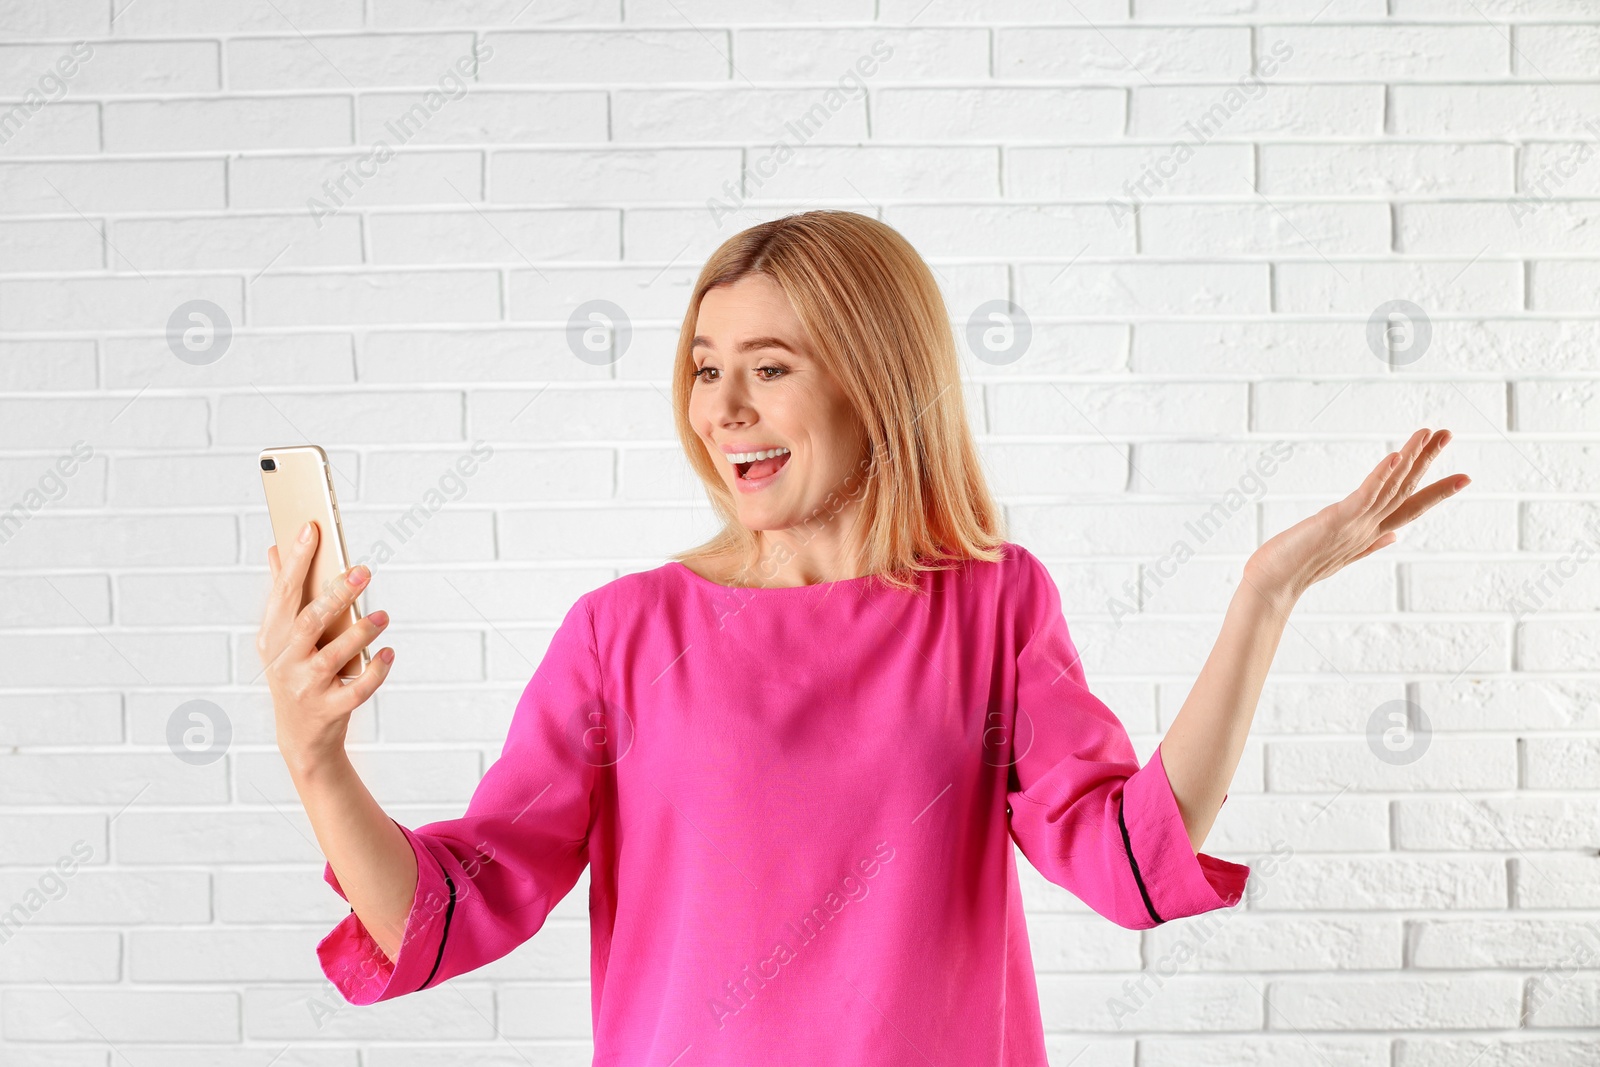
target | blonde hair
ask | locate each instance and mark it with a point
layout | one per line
(878, 323)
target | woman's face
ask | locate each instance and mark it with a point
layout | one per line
(758, 388)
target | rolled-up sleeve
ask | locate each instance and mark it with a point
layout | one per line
(355, 964)
(487, 881)
(1083, 811)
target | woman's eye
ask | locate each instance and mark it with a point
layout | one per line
(764, 377)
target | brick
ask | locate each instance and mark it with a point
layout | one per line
(42, 839)
(1263, 228)
(376, 297)
(407, 13)
(854, 56)
(235, 16)
(1416, 169)
(1255, 108)
(1532, 224)
(1327, 407)
(1499, 943)
(224, 123)
(1247, 942)
(1026, 409)
(364, 179)
(1446, 763)
(1386, 52)
(1351, 287)
(208, 837)
(280, 1014)
(528, 477)
(24, 19)
(1132, 174)
(1489, 823)
(120, 1015)
(109, 778)
(109, 303)
(766, 116)
(1191, 1051)
(1557, 880)
(476, 116)
(1389, 883)
(252, 359)
(108, 67)
(119, 898)
(1029, 11)
(524, 175)
(1333, 11)
(1496, 1051)
(65, 600)
(90, 185)
(1215, 1002)
(216, 956)
(1562, 285)
(52, 245)
(494, 236)
(251, 243)
(554, 293)
(1481, 110)
(1128, 55)
(434, 777)
(38, 956)
(1134, 288)
(1347, 1002)
(340, 62)
(997, 114)
(733, 10)
(1549, 169)
(630, 56)
(1005, 230)
(29, 128)
(60, 718)
(472, 355)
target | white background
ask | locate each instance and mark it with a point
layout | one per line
(1424, 151)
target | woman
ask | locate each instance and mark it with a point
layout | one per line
(794, 758)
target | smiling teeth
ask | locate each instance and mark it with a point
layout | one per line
(751, 457)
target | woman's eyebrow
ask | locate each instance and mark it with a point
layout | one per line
(749, 344)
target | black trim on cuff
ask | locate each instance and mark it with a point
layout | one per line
(1127, 847)
(450, 907)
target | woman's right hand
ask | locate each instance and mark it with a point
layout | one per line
(310, 704)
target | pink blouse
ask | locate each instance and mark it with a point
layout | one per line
(797, 807)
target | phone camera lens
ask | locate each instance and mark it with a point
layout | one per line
(269, 465)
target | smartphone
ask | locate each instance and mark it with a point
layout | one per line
(299, 486)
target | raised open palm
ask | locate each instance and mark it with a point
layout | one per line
(1358, 525)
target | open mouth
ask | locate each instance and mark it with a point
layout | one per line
(756, 469)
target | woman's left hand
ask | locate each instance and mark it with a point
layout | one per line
(1356, 526)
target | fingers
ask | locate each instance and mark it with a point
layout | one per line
(339, 593)
(1430, 450)
(1397, 477)
(354, 694)
(283, 601)
(289, 578)
(1395, 480)
(1366, 494)
(341, 649)
(1369, 495)
(1421, 501)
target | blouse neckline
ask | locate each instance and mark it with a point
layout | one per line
(703, 580)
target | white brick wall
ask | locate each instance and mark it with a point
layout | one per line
(1440, 912)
